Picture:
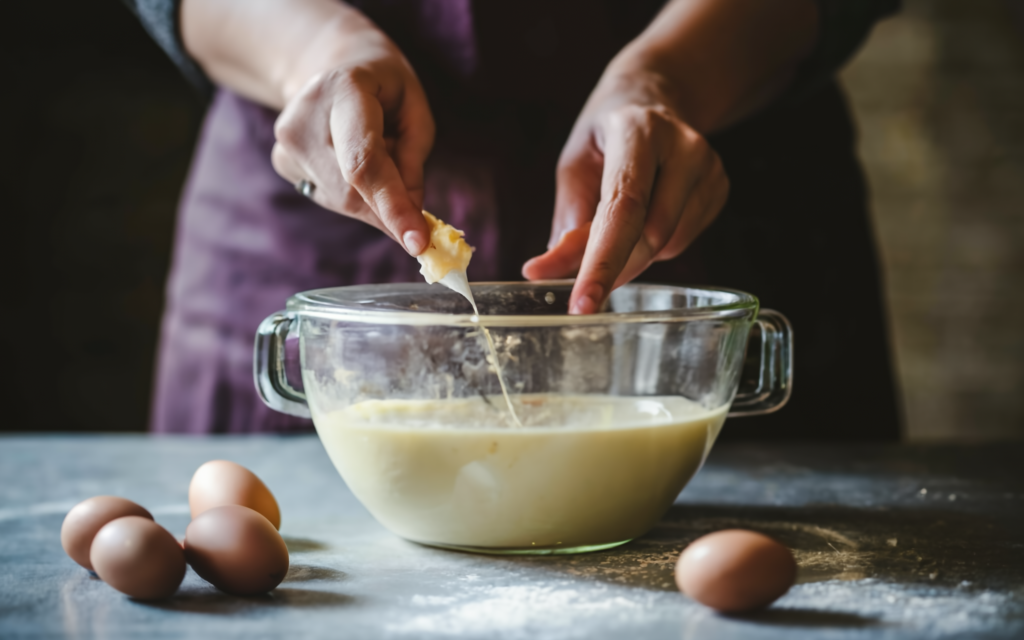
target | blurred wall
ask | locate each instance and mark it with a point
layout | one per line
(939, 96)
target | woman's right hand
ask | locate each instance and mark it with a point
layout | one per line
(356, 124)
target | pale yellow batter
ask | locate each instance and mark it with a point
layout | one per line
(582, 470)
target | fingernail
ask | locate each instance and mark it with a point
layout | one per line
(584, 306)
(587, 303)
(414, 241)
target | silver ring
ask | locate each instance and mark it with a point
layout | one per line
(306, 188)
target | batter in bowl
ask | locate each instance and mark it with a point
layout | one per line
(583, 472)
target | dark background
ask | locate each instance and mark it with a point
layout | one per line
(99, 128)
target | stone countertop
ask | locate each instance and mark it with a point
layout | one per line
(892, 542)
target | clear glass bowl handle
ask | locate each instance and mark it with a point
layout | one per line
(269, 370)
(767, 379)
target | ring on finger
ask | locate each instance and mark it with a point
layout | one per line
(305, 187)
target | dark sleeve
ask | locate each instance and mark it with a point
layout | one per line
(160, 19)
(843, 25)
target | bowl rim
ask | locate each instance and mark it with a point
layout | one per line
(352, 308)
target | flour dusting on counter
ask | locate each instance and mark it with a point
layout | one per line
(514, 611)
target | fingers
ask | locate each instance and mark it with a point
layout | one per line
(415, 140)
(578, 189)
(332, 134)
(285, 165)
(630, 166)
(346, 200)
(303, 151)
(661, 185)
(562, 260)
(671, 191)
(707, 200)
(576, 198)
(676, 213)
(357, 129)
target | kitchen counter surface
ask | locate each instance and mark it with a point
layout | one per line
(892, 542)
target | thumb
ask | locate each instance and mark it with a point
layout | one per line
(561, 261)
(578, 193)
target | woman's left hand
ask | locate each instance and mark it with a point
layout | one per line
(636, 185)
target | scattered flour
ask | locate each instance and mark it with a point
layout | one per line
(518, 611)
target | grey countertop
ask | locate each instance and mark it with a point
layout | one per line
(892, 542)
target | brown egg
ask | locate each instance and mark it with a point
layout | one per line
(87, 518)
(139, 558)
(237, 550)
(220, 482)
(735, 570)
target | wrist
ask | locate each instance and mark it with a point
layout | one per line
(638, 78)
(722, 60)
(334, 41)
(652, 76)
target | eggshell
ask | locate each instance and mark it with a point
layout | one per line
(735, 570)
(86, 518)
(139, 558)
(237, 550)
(221, 482)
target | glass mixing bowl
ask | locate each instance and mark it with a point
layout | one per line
(608, 415)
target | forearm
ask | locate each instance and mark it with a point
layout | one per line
(721, 60)
(266, 49)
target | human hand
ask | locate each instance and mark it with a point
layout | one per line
(356, 124)
(636, 185)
